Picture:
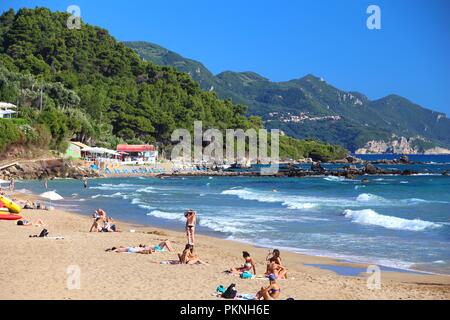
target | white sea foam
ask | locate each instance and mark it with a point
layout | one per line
(300, 206)
(223, 225)
(371, 217)
(368, 197)
(114, 195)
(146, 190)
(166, 215)
(110, 186)
(439, 261)
(334, 178)
(26, 191)
(289, 201)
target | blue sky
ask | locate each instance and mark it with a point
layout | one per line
(283, 39)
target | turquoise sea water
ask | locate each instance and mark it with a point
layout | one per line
(394, 221)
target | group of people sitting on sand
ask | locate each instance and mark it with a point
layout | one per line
(185, 257)
(32, 205)
(103, 223)
(274, 265)
(274, 269)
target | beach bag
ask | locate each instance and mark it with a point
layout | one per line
(230, 293)
(43, 233)
(246, 275)
(220, 289)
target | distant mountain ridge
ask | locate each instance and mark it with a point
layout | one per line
(309, 107)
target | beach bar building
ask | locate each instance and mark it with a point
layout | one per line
(74, 149)
(7, 110)
(138, 154)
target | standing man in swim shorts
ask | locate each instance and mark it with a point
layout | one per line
(191, 220)
(85, 182)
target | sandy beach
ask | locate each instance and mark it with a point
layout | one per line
(41, 268)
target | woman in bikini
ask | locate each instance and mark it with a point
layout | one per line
(187, 257)
(275, 266)
(248, 265)
(272, 292)
(191, 219)
(99, 216)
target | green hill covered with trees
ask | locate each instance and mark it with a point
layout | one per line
(346, 118)
(83, 84)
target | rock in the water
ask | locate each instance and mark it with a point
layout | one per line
(370, 169)
(352, 159)
(317, 167)
(408, 172)
(403, 159)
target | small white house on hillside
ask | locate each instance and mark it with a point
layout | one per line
(7, 110)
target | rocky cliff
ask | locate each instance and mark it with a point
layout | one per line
(50, 168)
(401, 145)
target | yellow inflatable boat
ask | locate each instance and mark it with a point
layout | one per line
(10, 205)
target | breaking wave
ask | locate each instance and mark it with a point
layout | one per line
(371, 217)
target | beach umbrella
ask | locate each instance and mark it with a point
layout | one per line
(52, 196)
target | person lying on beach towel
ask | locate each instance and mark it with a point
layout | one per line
(44, 234)
(187, 257)
(26, 223)
(141, 250)
(163, 246)
(275, 266)
(272, 292)
(248, 265)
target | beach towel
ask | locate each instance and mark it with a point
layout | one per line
(245, 296)
(170, 262)
(246, 275)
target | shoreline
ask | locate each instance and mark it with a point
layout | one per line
(349, 168)
(37, 263)
(335, 259)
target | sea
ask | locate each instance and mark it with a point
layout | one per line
(400, 222)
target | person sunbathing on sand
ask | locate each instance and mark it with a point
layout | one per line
(248, 265)
(272, 292)
(187, 257)
(141, 250)
(26, 223)
(163, 246)
(275, 266)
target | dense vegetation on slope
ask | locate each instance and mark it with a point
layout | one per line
(360, 120)
(83, 83)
